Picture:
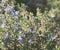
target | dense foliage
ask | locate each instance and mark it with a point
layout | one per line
(22, 30)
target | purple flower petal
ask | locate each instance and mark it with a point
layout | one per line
(30, 40)
(33, 32)
(15, 12)
(20, 39)
(17, 27)
(52, 37)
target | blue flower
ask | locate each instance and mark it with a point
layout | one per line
(52, 37)
(30, 40)
(15, 12)
(20, 39)
(25, 35)
(33, 32)
(17, 27)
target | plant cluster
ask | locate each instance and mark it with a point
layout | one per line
(21, 30)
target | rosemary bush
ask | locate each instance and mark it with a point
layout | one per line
(21, 30)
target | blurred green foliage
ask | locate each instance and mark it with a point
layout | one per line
(21, 30)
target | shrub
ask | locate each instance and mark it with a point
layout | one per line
(21, 30)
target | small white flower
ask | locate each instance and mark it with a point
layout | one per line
(24, 35)
(6, 9)
(19, 32)
(2, 26)
(11, 9)
(17, 12)
(53, 15)
(19, 38)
